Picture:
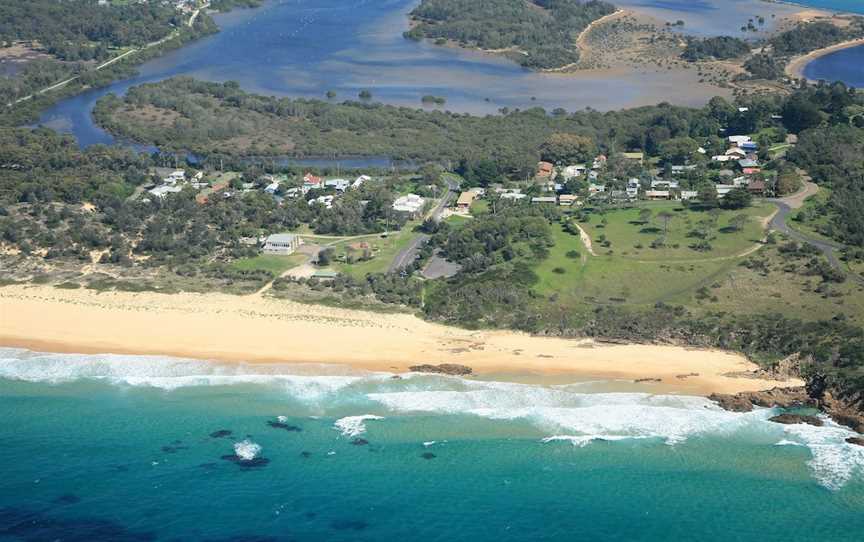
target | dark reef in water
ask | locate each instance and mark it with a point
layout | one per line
(285, 426)
(68, 498)
(30, 525)
(246, 463)
(428, 455)
(221, 433)
(359, 442)
(349, 524)
(173, 449)
(304, 454)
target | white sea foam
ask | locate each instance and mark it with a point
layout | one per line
(834, 460)
(170, 373)
(785, 442)
(282, 419)
(247, 450)
(583, 440)
(352, 426)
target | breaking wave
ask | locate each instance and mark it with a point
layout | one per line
(567, 413)
(352, 426)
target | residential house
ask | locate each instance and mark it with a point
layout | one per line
(661, 184)
(545, 199)
(757, 187)
(723, 189)
(687, 195)
(599, 162)
(412, 204)
(723, 158)
(568, 200)
(545, 171)
(311, 182)
(463, 203)
(272, 188)
(658, 194)
(677, 170)
(358, 182)
(748, 163)
(163, 190)
(282, 244)
(736, 151)
(571, 172)
(751, 170)
(326, 201)
(739, 139)
(340, 185)
(638, 157)
(749, 146)
(595, 188)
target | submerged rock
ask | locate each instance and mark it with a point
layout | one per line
(68, 498)
(305, 454)
(246, 463)
(285, 426)
(444, 368)
(221, 433)
(428, 455)
(349, 525)
(790, 419)
(359, 442)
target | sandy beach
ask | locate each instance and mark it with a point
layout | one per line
(260, 330)
(795, 68)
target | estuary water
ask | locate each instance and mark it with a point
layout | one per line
(126, 448)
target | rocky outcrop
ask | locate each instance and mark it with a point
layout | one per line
(844, 412)
(445, 368)
(795, 397)
(855, 440)
(790, 419)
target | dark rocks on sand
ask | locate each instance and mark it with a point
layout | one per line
(222, 433)
(173, 449)
(359, 442)
(445, 368)
(776, 397)
(305, 455)
(639, 380)
(28, 524)
(855, 440)
(790, 419)
(247, 463)
(285, 426)
(428, 455)
(687, 375)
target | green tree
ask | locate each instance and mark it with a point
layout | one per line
(567, 148)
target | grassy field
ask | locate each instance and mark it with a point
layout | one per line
(630, 238)
(384, 250)
(268, 262)
(816, 219)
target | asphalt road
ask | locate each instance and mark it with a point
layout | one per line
(408, 254)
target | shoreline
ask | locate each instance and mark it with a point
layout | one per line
(795, 68)
(255, 329)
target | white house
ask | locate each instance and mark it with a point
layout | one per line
(326, 201)
(739, 139)
(165, 189)
(282, 243)
(358, 182)
(272, 187)
(571, 172)
(340, 185)
(689, 194)
(411, 204)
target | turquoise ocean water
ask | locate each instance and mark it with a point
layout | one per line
(146, 448)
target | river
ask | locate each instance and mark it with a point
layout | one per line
(305, 48)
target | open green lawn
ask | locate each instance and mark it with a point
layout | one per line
(268, 262)
(626, 233)
(384, 250)
(479, 206)
(456, 220)
(555, 282)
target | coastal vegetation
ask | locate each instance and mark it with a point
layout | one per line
(715, 48)
(538, 34)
